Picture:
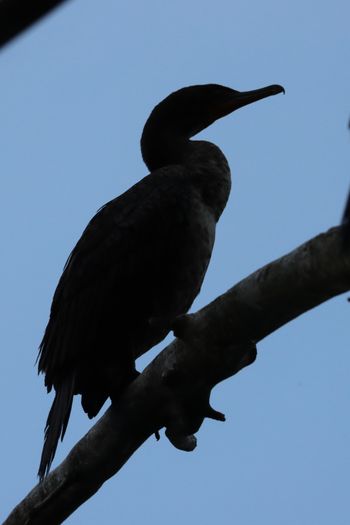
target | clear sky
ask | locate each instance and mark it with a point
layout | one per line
(75, 93)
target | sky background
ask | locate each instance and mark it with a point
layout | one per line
(75, 93)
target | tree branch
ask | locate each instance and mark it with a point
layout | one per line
(174, 390)
(18, 15)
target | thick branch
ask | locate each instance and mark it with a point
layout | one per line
(174, 390)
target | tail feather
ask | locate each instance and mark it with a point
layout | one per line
(56, 423)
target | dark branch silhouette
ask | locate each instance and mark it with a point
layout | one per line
(173, 391)
(18, 15)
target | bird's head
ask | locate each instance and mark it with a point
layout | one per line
(189, 110)
(192, 109)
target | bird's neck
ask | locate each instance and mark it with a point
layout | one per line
(210, 173)
(207, 166)
(163, 148)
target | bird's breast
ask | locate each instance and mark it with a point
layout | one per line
(210, 175)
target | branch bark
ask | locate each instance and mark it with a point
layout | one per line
(173, 391)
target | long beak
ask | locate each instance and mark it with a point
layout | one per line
(238, 99)
(247, 97)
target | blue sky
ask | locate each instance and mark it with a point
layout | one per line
(75, 93)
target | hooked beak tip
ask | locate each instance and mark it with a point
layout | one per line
(278, 89)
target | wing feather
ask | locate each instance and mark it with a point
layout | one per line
(115, 276)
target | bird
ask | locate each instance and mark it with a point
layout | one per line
(141, 260)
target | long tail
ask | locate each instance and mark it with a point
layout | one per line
(56, 423)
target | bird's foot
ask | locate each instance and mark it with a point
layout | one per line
(180, 325)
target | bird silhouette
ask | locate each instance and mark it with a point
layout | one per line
(141, 260)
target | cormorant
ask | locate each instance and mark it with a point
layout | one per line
(141, 260)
